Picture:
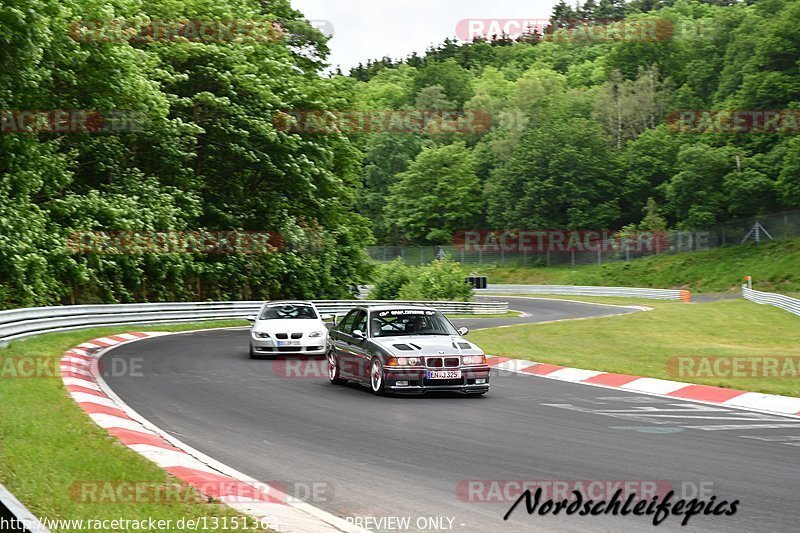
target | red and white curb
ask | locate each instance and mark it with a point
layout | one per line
(80, 372)
(753, 401)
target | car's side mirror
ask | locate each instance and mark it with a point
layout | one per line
(358, 334)
(252, 319)
(463, 331)
(325, 318)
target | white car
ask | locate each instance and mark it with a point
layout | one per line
(288, 328)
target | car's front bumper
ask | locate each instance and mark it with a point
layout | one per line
(474, 379)
(308, 346)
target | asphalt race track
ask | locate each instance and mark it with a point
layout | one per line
(414, 456)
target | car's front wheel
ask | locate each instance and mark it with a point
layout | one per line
(333, 369)
(376, 378)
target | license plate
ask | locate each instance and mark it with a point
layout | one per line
(444, 374)
(288, 343)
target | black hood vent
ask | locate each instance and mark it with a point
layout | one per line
(404, 347)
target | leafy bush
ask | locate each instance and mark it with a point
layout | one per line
(390, 279)
(440, 280)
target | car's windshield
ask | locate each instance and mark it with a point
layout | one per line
(403, 322)
(282, 312)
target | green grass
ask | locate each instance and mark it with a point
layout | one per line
(48, 444)
(774, 267)
(642, 343)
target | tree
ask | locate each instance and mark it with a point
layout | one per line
(648, 163)
(454, 79)
(438, 195)
(434, 98)
(563, 174)
(696, 192)
(387, 156)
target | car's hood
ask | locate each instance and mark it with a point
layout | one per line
(415, 345)
(289, 325)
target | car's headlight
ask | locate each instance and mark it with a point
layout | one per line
(474, 360)
(261, 335)
(404, 361)
(315, 334)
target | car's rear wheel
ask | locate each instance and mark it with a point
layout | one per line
(376, 378)
(333, 369)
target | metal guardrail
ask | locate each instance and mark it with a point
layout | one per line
(576, 290)
(787, 303)
(12, 509)
(20, 323)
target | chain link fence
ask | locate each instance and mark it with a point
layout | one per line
(591, 248)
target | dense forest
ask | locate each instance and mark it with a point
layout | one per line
(584, 131)
(580, 137)
(203, 154)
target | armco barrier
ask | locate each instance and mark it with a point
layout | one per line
(576, 290)
(16, 516)
(19, 323)
(787, 303)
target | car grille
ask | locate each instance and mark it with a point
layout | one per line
(442, 362)
(289, 349)
(284, 336)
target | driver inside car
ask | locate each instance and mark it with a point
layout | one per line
(415, 324)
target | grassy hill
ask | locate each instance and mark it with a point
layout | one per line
(775, 267)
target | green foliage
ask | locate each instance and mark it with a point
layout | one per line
(772, 264)
(437, 195)
(390, 278)
(440, 280)
(205, 154)
(560, 175)
(583, 132)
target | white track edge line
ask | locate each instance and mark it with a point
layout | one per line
(330, 519)
(675, 398)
